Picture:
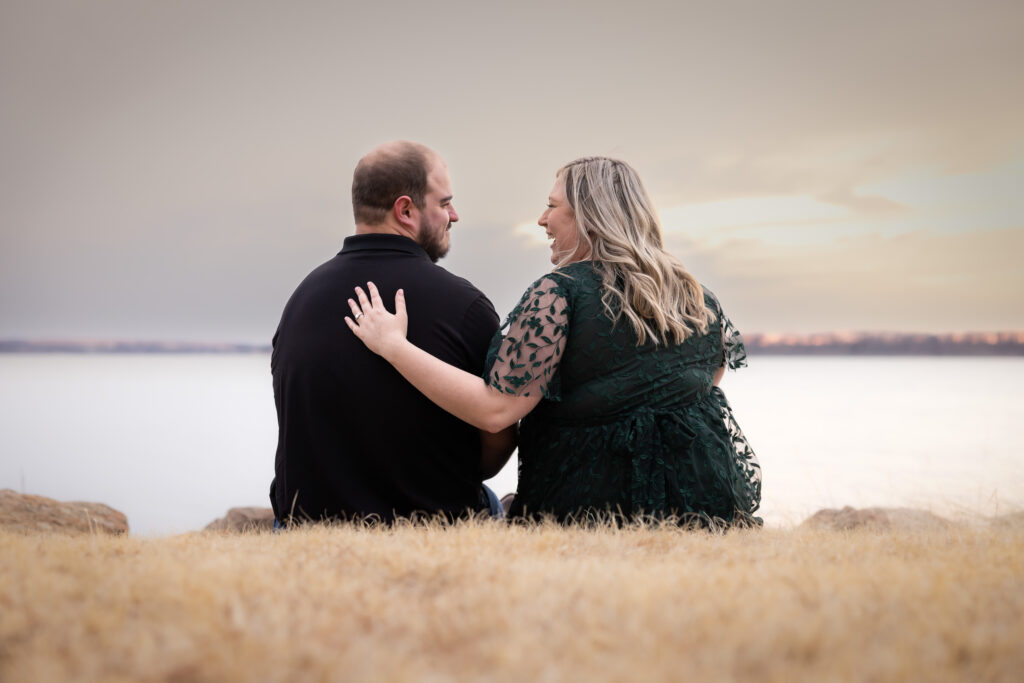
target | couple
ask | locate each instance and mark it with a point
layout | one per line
(606, 376)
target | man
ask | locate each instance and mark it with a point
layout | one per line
(356, 440)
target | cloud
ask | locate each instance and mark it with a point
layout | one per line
(921, 199)
(781, 217)
(919, 281)
(148, 149)
(989, 198)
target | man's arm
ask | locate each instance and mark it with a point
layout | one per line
(479, 326)
(496, 449)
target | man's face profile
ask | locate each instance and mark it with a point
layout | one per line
(437, 213)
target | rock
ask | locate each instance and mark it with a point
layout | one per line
(1013, 520)
(904, 519)
(21, 512)
(244, 519)
(909, 519)
(847, 518)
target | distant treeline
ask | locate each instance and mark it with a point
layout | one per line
(832, 343)
(888, 344)
(74, 346)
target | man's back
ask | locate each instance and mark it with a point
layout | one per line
(356, 439)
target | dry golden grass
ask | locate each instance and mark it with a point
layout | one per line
(482, 601)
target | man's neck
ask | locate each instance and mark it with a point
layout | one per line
(382, 229)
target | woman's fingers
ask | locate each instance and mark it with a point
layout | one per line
(374, 295)
(400, 304)
(373, 324)
(355, 309)
(364, 303)
(368, 305)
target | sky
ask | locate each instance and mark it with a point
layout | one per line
(171, 171)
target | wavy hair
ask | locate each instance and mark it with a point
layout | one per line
(620, 230)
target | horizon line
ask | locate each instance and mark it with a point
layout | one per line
(768, 336)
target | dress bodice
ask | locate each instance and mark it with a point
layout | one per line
(609, 402)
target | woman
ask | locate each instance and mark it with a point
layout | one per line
(611, 361)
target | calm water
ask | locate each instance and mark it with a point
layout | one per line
(173, 441)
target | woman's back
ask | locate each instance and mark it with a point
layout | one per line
(621, 425)
(603, 370)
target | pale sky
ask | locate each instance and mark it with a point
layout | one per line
(173, 170)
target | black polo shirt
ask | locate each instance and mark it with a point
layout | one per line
(354, 437)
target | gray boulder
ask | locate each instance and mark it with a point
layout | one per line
(244, 519)
(33, 514)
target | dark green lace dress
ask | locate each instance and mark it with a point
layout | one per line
(621, 428)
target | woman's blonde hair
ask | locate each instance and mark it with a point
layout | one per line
(621, 232)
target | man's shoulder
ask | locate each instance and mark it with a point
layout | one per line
(428, 283)
(455, 284)
(459, 300)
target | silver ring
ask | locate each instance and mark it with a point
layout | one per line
(357, 315)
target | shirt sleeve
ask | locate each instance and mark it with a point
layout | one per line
(479, 325)
(525, 358)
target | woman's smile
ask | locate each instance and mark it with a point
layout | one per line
(559, 224)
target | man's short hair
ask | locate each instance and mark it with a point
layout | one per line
(386, 174)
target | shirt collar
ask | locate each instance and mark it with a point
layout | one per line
(382, 242)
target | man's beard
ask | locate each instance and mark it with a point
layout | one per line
(433, 241)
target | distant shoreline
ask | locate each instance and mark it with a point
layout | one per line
(110, 347)
(887, 344)
(825, 344)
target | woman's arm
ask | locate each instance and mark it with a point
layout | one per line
(719, 374)
(462, 394)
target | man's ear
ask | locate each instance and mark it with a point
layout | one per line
(405, 212)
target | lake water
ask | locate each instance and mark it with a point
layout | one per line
(173, 441)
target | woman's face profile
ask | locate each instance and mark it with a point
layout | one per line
(560, 224)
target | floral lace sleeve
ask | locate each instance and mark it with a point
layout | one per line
(735, 351)
(525, 357)
(732, 341)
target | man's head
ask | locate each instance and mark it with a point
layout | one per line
(403, 188)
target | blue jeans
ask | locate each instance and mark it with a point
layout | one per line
(493, 503)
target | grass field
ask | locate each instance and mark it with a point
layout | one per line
(483, 601)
